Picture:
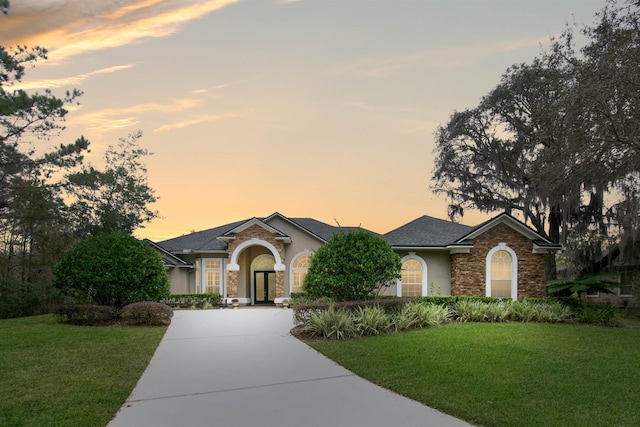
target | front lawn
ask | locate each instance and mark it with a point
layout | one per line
(507, 374)
(64, 375)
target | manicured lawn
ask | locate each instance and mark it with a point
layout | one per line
(507, 374)
(63, 375)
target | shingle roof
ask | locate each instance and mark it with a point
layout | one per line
(423, 232)
(206, 240)
(321, 229)
(427, 232)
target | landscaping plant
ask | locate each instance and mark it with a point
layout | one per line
(371, 320)
(352, 266)
(147, 313)
(331, 323)
(420, 315)
(112, 269)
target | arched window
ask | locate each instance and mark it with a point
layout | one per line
(263, 262)
(299, 270)
(411, 282)
(502, 273)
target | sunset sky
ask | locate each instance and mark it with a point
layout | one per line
(312, 108)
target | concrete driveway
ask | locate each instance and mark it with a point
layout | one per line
(242, 368)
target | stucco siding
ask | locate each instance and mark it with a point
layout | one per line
(179, 280)
(301, 241)
(438, 280)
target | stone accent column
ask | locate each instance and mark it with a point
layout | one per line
(232, 284)
(279, 284)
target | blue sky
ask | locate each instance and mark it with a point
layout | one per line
(321, 109)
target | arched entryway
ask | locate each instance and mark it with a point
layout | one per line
(255, 272)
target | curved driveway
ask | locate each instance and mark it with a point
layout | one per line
(242, 368)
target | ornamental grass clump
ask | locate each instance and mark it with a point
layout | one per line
(331, 323)
(547, 312)
(420, 315)
(478, 311)
(372, 320)
(554, 312)
(523, 311)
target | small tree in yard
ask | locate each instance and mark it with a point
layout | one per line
(112, 269)
(352, 266)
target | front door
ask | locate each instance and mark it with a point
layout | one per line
(264, 286)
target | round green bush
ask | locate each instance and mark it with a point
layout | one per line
(352, 266)
(147, 313)
(112, 269)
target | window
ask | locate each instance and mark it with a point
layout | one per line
(299, 271)
(411, 278)
(212, 276)
(502, 273)
(625, 290)
(263, 262)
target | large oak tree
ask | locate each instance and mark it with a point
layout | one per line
(557, 142)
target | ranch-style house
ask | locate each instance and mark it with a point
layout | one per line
(264, 260)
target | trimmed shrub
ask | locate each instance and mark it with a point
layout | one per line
(205, 300)
(112, 269)
(452, 300)
(147, 313)
(352, 266)
(371, 320)
(85, 314)
(331, 324)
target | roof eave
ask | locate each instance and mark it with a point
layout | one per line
(459, 249)
(418, 248)
(537, 249)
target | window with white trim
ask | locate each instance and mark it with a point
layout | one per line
(299, 271)
(212, 276)
(501, 274)
(411, 278)
(625, 290)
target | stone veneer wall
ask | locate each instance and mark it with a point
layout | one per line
(468, 271)
(255, 231)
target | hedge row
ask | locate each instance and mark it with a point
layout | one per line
(205, 300)
(145, 313)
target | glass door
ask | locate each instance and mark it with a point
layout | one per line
(264, 286)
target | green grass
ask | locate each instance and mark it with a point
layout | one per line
(62, 375)
(508, 374)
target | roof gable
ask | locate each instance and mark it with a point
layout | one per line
(200, 241)
(318, 229)
(541, 243)
(230, 234)
(168, 259)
